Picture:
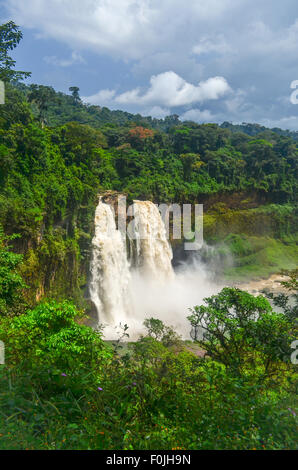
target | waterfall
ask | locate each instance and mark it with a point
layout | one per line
(110, 275)
(129, 291)
(151, 253)
(111, 282)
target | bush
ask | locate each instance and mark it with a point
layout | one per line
(49, 335)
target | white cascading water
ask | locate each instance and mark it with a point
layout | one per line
(124, 294)
(153, 253)
(110, 275)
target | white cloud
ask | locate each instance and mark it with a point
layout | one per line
(102, 98)
(75, 58)
(197, 115)
(237, 102)
(110, 26)
(209, 44)
(126, 28)
(110, 99)
(167, 90)
(288, 122)
(262, 39)
(156, 112)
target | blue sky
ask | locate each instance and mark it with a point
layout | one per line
(208, 61)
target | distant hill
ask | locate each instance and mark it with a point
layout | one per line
(67, 109)
(255, 129)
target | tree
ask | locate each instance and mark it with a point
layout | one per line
(155, 328)
(191, 163)
(11, 283)
(160, 332)
(242, 331)
(42, 96)
(75, 93)
(288, 303)
(15, 110)
(80, 143)
(10, 37)
(138, 136)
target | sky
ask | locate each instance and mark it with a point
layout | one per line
(205, 60)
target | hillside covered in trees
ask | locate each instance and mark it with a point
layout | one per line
(57, 155)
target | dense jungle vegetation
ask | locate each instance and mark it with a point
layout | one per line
(51, 175)
(62, 386)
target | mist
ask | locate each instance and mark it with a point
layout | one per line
(168, 301)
